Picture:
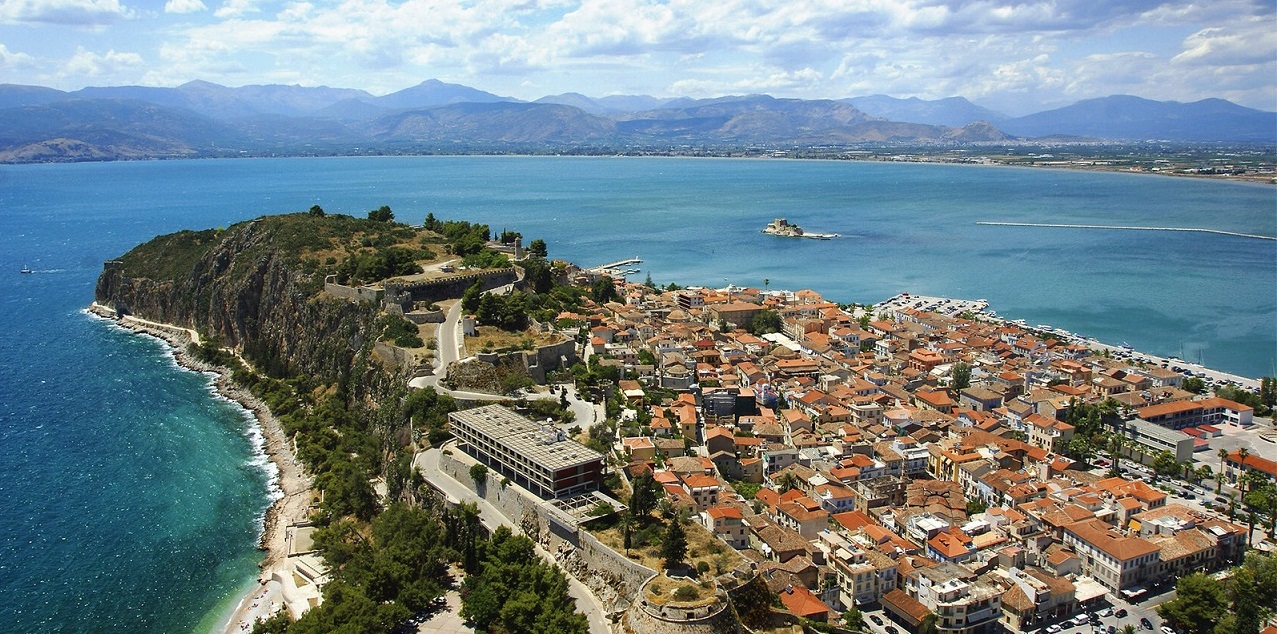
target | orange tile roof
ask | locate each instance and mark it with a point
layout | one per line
(802, 602)
(724, 511)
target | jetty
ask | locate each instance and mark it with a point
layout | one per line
(1126, 228)
(615, 267)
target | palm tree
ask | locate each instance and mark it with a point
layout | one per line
(1219, 482)
(1242, 454)
(1128, 629)
(788, 481)
(1250, 528)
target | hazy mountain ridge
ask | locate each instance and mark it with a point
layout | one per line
(205, 119)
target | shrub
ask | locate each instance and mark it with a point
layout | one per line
(686, 592)
(702, 567)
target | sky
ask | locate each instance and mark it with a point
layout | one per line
(1016, 56)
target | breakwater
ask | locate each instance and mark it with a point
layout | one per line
(1125, 228)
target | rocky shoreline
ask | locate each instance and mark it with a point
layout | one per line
(294, 484)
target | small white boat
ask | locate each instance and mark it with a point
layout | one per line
(27, 269)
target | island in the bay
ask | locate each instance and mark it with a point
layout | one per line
(471, 431)
(781, 227)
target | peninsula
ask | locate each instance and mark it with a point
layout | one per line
(691, 459)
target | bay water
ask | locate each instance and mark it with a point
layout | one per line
(133, 496)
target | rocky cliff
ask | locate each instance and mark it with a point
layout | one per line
(246, 287)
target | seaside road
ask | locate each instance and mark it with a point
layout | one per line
(428, 463)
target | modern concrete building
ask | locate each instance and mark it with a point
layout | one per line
(536, 457)
(1154, 438)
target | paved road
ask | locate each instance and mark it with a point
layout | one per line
(451, 347)
(428, 463)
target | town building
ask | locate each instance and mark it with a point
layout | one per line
(536, 457)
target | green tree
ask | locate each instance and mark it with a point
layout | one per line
(603, 290)
(537, 247)
(674, 548)
(853, 618)
(478, 473)
(766, 321)
(960, 375)
(789, 481)
(645, 495)
(975, 507)
(1194, 385)
(381, 214)
(1164, 463)
(1199, 603)
(316, 210)
(472, 297)
(431, 223)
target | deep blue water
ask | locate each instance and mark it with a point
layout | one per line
(133, 497)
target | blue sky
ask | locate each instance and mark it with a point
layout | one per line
(1017, 56)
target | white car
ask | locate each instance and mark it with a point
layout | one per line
(1053, 628)
(1081, 619)
(1105, 612)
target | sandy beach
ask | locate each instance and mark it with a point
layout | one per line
(267, 597)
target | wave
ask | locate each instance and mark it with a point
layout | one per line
(252, 430)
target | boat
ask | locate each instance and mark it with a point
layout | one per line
(27, 269)
(781, 227)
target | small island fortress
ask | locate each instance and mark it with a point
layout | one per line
(781, 227)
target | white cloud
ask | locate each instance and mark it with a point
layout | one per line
(68, 12)
(1253, 42)
(112, 65)
(236, 8)
(184, 6)
(1024, 51)
(15, 61)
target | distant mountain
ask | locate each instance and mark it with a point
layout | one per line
(433, 92)
(636, 103)
(577, 100)
(93, 129)
(1125, 117)
(15, 95)
(951, 111)
(294, 101)
(205, 119)
(494, 122)
(748, 119)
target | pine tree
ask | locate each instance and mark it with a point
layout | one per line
(675, 547)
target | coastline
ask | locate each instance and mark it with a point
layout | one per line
(292, 499)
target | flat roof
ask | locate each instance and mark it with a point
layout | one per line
(544, 445)
(1152, 430)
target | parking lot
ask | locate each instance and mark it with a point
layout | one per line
(877, 621)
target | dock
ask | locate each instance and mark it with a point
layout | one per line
(610, 266)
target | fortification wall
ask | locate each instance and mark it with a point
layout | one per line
(452, 286)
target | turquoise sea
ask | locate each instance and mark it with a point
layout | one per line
(133, 496)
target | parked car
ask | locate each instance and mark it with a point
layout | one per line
(1053, 628)
(1121, 613)
(1145, 623)
(1167, 630)
(1081, 619)
(892, 630)
(1105, 612)
(1112, 629)
(875, 619)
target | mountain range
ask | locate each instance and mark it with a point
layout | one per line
(206, 119)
